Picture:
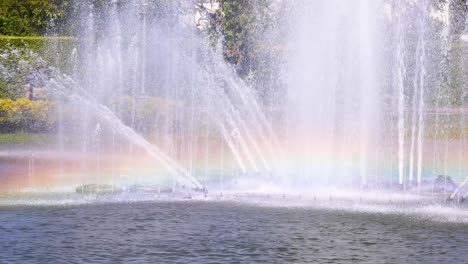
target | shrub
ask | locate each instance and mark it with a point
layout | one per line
(21, 57)
(24, 115)
(147, 112)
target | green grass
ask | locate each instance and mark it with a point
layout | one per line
(25, 138)
(38, 37)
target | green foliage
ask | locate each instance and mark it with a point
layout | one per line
(31, 17)
(22, 56)
(15, 65)
(458, 13)
(25, 138)
(144, 113)
(252, 35)
(235, 27)
(26, 116)
(237, 20)
(445, 126)
(459, 10)
(241, 24)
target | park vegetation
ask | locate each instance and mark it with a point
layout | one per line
(48, 29)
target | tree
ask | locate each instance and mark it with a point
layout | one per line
(32, 17)
(458, 11)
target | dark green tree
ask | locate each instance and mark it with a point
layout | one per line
(31, 17)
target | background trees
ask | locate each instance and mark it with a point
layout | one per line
(33, 17)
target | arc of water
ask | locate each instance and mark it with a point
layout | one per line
(232, 121)
(458, 188)
(241, 106)
(253, 111)
(238, 136)
(58, 85)
(227, 119)
(232, 146)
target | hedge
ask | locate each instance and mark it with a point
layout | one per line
(24, 115)
(20, 56)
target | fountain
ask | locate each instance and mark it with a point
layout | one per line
(366, 83)
(147, 81)
(371, 99)
(237, 131)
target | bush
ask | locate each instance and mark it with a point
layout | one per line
(56, 51)
(24, 115)
(26, 139)
(147, 112)
(32, 17)
(22, 57)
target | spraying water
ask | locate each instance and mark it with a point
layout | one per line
(364, 102)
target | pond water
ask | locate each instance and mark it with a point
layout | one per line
(223, 232)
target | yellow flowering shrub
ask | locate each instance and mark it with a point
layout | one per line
(25, 115)
(6, 108)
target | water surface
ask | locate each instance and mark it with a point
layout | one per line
(215, 232)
